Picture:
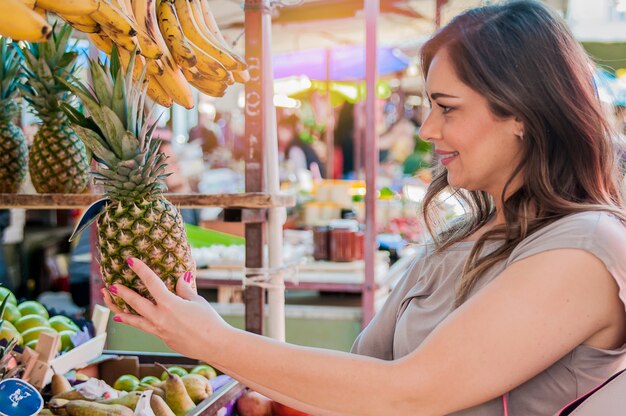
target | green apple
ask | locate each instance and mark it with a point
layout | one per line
(204, 370)
(32, 307)
(126, 382)
(63, 323)
(66, 339)
(3, 294)
(33, 333)
(11, 313)
(151, 380)
(31, 321)
(174, 370)
(9, 332)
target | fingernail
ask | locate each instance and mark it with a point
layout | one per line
(187, 277)
(117, 318)
(129, 261)
(112, 289)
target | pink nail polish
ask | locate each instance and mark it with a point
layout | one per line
(112, 289)
(129, 261)
(187, 277)
(117, 318)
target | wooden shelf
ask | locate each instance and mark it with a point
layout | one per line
(64, 201)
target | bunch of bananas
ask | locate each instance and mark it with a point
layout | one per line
(178, 41)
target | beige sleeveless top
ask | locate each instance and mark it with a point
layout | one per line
(425, 297)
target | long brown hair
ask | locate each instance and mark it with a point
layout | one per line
(523, 59)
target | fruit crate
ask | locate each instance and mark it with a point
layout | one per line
(113, 364)
(48, 362)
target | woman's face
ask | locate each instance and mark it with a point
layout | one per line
(478, 149)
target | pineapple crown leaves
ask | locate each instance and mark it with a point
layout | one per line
(10, 68)
(44, 64)
(118, 129)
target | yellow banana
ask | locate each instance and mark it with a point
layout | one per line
(209, 67)
(83, 23)
(154, 66)
(67, 7)
(177, 43)
(19, 22)
(172, 81)
(194, 33)
(157, 93)
(122, 40)
(111, 18)
(102, 42)
(147, 45)
(41, 12)
(206, 85)
(206, 21)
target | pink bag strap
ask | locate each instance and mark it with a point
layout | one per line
(505, 405)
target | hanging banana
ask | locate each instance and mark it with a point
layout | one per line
(176, 41)
(19, 22)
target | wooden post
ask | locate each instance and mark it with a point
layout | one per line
(254, 296)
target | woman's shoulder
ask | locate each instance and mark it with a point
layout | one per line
(600, 232)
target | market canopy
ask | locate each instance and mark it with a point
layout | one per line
(344, 63)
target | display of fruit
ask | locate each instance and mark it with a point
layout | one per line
(177, 41)
(8, 363)
(134, 219)
(32, 334)
(197, 386)
(58, 161)
(13, 147)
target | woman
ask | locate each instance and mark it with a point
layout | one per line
(521, 303)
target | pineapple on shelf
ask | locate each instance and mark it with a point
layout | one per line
(13, 148)
(134, 219)
(58, 160)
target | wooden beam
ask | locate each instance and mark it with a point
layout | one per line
(252, 200)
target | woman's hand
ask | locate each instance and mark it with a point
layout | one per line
(186, 323)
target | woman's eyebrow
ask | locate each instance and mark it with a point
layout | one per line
(436, 95)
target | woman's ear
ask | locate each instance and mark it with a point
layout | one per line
(518, 128)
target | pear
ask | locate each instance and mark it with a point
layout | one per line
(155, 390)
(59, 384)
(129, 400)
(159, 407)
(197, 386)
(85, 408)
(176, 395)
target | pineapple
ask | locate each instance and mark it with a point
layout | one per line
(134, 219)
(58, 160)
(13, 148)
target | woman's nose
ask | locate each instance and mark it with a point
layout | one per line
(429, 130)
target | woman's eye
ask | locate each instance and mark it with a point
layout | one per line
(445, 109)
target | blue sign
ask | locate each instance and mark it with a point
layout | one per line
(18, 398)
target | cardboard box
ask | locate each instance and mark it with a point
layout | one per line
(113, 364)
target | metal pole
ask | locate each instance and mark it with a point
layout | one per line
(276, 216)
(372, 8)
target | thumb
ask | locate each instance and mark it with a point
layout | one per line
(184, 288)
